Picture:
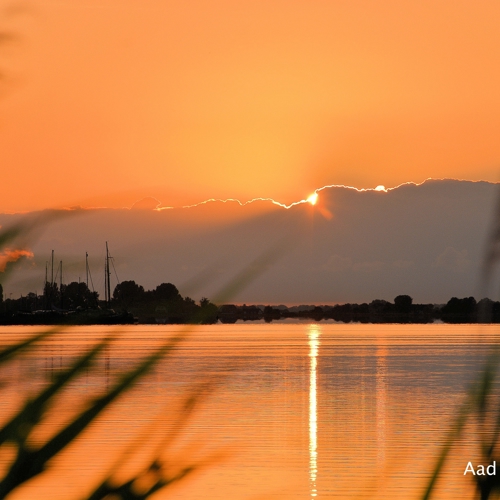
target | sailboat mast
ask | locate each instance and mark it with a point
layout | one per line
(105, 282)
(87, 267)
(52, 276)
(60, 286)
(108, 274)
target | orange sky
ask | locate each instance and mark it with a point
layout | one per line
(108, 101)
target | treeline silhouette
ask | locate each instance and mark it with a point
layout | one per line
(402, 310)
(75, 303)
(164, 304)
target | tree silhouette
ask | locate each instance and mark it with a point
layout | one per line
(127, 293)
(167, 291)
(403, 303)
(78, 295)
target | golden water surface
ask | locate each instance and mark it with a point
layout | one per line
(293, 411)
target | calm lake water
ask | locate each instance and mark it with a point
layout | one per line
(295, 411)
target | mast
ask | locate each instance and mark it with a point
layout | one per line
(60, 285)
(105, 282)
(52, 276)
(89, 274)
(108, 274)
(45, 288)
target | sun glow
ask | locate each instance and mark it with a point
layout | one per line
(313, 199)
(380, 188)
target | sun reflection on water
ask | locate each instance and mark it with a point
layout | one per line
(314, 343)
(381, 397)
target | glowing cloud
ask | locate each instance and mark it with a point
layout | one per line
(148, 203)
(12, 256)
(312, 199)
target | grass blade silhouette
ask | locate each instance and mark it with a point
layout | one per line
(14, 350)
(30, 463)
(19, 427)
(156, 467)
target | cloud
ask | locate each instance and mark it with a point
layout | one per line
(148, 203)
(12, 256)
(338, 263)
(453, 260)
(368, 267)
(403, 264)
(369, 245)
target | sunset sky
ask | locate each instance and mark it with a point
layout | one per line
(105, 101)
